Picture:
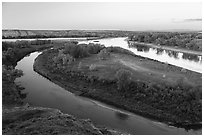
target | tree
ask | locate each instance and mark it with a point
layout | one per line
(62, 59)
(76, 51)
(79, 65)
(123, 80)
(103, 54)
(92, 67)
(10, 74)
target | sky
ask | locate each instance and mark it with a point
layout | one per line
(134, 16)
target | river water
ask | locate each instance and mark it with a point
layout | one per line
(184, 60)
(44, 93)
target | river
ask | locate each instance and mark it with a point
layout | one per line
(184, 60)
(44, 93)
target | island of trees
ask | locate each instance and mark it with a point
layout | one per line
(190, 41)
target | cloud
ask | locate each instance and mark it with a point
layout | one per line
(186, 20)
(192, 20)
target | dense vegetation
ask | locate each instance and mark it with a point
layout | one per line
(12, 52)
(72, 51)
(11, 93)
(191, 41)
(123, 80)
(182, 101)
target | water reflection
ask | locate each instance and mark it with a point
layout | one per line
(21, 94)
(191, 57)
(121, 116)
(159, 51)
(170, 53)
(139, 47)
(184, 60)
(173, 54)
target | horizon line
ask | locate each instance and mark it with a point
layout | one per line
(104, 30)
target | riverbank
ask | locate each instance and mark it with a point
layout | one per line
(11, 93)
(94, 84)
(28, 120)
(167, 48)
(18, 53)
(18, 119)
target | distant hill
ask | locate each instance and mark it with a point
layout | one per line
(41, 33)
(61, 33)
(72, 33)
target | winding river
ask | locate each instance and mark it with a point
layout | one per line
(184, 60)
(44, 93)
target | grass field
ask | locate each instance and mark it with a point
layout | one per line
(157, 90)
(142, 69)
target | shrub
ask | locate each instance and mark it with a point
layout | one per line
(92, 67)
(193, 93)
(6, 45)
(94, 48)
(103, 54)
(123, 79)
(67, 59)
(76, 51)
(75, 42)
(80, 65)
(63, 59)
(82, 50)
(10, 74)
(11, 93)
(8, 55)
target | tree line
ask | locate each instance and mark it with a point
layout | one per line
(191, 41)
